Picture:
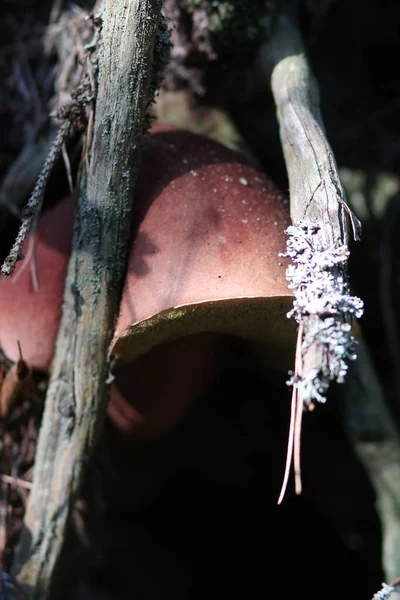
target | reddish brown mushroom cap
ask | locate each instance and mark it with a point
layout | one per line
(32, 316)
(205, 256)
(207, 232)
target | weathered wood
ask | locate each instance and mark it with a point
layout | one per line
(317, 245)
(77, 393)
(317, 199)
(316, 194)
(376, 441)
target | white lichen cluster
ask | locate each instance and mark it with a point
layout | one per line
(385, 593)
(323, 300)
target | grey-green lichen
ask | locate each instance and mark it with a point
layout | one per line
(385, 593)
(322, 295)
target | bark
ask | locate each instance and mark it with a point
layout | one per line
(323, 225)
(318, 238)
(77, 393)
(322, 221)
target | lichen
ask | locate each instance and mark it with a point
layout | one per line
(322, 296)
(385, 592)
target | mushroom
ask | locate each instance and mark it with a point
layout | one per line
(207, 232)
(204, 262)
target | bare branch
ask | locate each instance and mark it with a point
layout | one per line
(71, 114)
(321, 227)
(376, 441)
(32, 208)
(132, 37)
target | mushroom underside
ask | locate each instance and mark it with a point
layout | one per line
(257, 319)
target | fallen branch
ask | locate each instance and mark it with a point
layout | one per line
(323, 306)
(376, 441)
(77, 393)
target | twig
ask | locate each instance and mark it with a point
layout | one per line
(34, 204)
(71, 114)
(16, 188)
(134, 49)
(375, 439)
(15, 481)
(318, 238)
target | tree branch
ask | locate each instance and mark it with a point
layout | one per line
(323, 306)
(376, 441)
(318, 238)
(77, 395)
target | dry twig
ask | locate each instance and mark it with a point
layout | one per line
(318, 238)
(75, 91)
(74, 114)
